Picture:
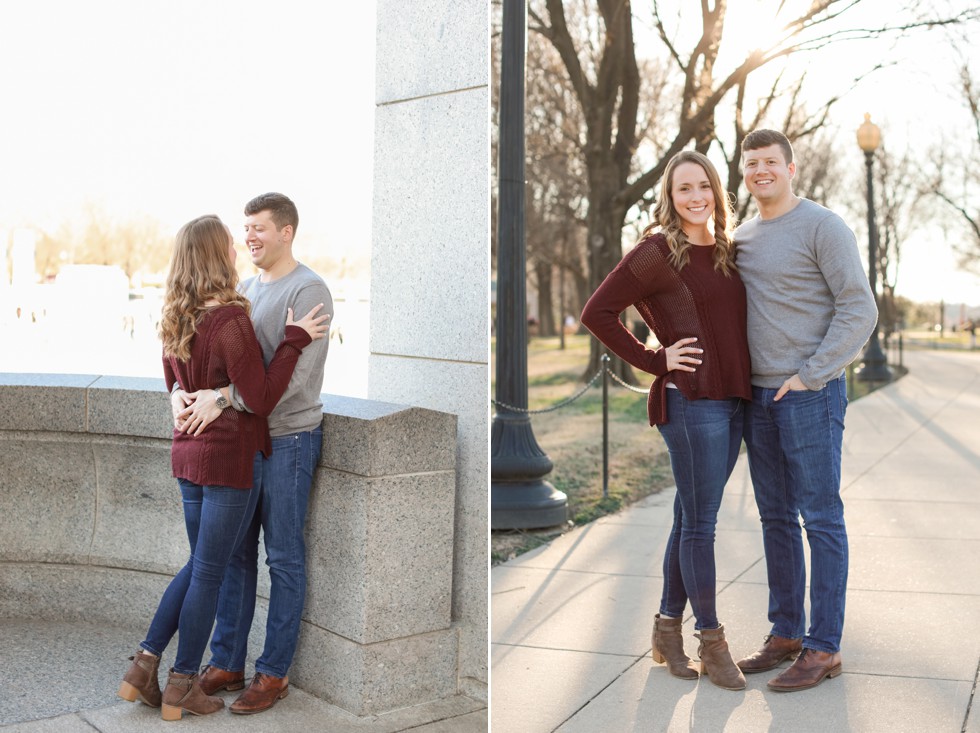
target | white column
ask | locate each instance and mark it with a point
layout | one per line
(430, 261)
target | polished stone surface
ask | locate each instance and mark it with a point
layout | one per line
(93, 531)
(49, 496)
(371, 438)
(386, 571)
(429, 264)
(423, 53)
(369, 678)
(130, 406)
(44, 401)
(450, 386)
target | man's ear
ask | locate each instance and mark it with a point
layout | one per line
(287, 233)
(792, 170)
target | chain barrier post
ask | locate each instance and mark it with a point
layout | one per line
(605, 425)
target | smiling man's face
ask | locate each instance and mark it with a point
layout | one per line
(266, 243)
(767, 174)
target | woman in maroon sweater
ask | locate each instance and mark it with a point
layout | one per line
(682, 279)
(209, 342)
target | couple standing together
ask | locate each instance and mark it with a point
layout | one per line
(758, 325)
(245, 384)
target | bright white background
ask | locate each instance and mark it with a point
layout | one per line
(183, 108)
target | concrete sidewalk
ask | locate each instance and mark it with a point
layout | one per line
(62, 677)
(571, 622)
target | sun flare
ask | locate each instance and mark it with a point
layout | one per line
(754, 26)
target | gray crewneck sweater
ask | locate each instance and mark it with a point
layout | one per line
(810, 307)
(300, 408)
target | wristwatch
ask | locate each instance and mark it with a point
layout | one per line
(220, 400)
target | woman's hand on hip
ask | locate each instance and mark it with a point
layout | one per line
(681, 355)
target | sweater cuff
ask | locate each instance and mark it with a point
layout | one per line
(658, 362)
(297, 336)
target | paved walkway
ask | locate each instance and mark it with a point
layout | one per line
(62, 677)
(570, 637)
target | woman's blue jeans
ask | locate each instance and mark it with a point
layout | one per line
(216, 519)
(703, 438)
(794, 448)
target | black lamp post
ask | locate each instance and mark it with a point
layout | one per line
(874, 367)
(520, 498)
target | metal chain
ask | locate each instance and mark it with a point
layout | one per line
(557, 406)
(631, 388)
(570, 400)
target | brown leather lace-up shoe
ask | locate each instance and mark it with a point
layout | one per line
(809, 670)
(214, 679)
(140, 680)
(773, 652)
(263, 692)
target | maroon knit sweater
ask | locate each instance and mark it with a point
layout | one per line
(697, 301)
(225, 350)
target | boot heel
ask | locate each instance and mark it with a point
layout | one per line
(284, 693)
(169, 712)
(657, 656)
(835, 671)
(127, 692)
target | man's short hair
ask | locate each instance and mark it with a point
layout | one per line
(764, 138)
(280, 207)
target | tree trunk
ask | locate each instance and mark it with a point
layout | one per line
(546, 299)
(605, 222)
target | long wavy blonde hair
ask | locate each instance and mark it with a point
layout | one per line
(200, 271)
(669, 221)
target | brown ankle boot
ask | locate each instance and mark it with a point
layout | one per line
(184, 693)
(716, 660)
(668, 645)
(140, 680)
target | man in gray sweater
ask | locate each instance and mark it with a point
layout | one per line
(282, 481)
(810, 310)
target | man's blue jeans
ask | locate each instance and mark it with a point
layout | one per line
(794, 448)
(703, 438)
(282, 483)
(215, 518)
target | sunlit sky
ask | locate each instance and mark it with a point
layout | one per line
(194, 106)
(172, 110)
(188, 107)
(914, 100)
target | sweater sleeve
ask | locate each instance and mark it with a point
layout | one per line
(168, 374)
(855, 312)
(616, 293)
(261, 388)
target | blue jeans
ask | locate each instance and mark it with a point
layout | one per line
(795, 459)
(282, 483)
(703, 438)
(215, 518)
